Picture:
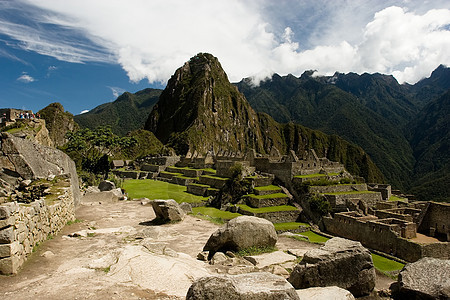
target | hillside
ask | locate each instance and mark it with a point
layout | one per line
(315, 103)
(201, 111)
(127, 113)
(430, 138)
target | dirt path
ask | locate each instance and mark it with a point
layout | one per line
(118, 254)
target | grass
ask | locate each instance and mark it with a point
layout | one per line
(216, 215)
(209, 170)
(310, 175)
(74, 221)
(202, 185)
(255, 250)
(386, 265)
(289, 225)
(395, 198)
(268, 188)
(268, 196)
(267, 209)
(216, 177)
(312, 236)
(352, 192)
(152, 189)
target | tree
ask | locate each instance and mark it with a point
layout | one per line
(91, 149)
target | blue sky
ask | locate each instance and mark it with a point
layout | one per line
(83, 53)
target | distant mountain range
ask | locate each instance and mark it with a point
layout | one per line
(392, 122)
(127, 113)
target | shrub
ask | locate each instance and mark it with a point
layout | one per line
(319, 205)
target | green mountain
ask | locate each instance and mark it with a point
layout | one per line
(127, 113)
(201, 111)
(429, 134)
(319, 104)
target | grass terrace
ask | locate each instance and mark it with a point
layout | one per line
(310, 175)
(386, 266)
(395, 198)
(216, 177)
(268, 188)
(266, 209)
(152, 189)
(215, 215)
(289, 225)
(352, 192)
(268, 196)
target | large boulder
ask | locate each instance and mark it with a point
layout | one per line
(30, 160)
(341, 262)
(250, 286)
(427, 278)
(167, 210)
(241, 233)
(106, 185)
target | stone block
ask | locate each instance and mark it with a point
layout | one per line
(5, 212)
(9, 265)
(7, 222)
(7, 235)
(9, 249)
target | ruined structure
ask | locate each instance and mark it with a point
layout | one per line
(10, 115)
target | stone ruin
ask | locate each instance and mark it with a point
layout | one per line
(24, 167)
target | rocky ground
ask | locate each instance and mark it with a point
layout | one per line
(115, 252)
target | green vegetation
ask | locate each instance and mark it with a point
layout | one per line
(152, 189)
(58, 122)
(395, 198)
(314, 237)
(127, 113)
(255, 250)
(351, 192)
(267, 209)
(319, 204)
(310, 175)
(289, 225)
(268, 196)
(268, 188)
(216, 215)
(216, 177)
(385, 265)
(73, 222)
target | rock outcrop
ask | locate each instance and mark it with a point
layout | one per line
(427, 278)
(167, 210)
(251, 286)
(241, 233)
(343, 263)
(106, 185)
(26, 160)
(58, 123)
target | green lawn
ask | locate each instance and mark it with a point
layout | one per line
(289, 226)
(152, 189)
(268, 196)
(395, 198)
(314, 237)
(310, 175)
(386, 265)
(268, 188)
(215, 177)
(215, 213)
(267, 209)
(351, 192)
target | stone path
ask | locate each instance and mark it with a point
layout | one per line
(116, 253)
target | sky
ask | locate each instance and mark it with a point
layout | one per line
(83, 53)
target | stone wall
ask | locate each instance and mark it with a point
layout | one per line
(383, 237)
(437, 220)
(22, 226)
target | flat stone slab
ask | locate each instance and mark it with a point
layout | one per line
(325, 293)
(298, 252)
(267, 259)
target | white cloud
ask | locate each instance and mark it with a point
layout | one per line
(84, 111)
(150, 39)
(26, 78)
(117, 91)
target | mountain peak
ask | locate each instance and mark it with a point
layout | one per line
(201, 110)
